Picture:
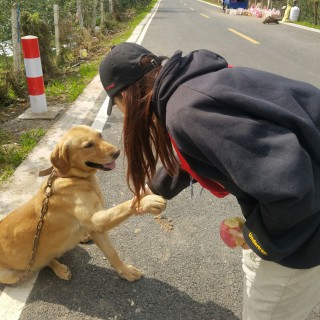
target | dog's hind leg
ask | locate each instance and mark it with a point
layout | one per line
(10, 276)
(61, 270)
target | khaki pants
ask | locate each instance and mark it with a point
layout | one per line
(274, 292)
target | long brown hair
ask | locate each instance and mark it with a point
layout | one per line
(145, 139)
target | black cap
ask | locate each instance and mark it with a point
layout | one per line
(121, 67)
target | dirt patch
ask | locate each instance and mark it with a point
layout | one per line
(10, 112)
(13, 126)
(165, 223)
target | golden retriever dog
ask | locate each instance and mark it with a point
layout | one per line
(75, 210)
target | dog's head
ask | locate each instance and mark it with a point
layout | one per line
(82, 151)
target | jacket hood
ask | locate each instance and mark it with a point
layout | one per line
(178, 70)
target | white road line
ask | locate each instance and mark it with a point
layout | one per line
(102, 117)
(13, 299)
(146, 22)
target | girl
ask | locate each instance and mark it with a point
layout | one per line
(236, 130)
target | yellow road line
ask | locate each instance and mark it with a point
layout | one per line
(244, 36)
(204, 15)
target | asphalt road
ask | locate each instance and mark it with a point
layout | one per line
(188, 273)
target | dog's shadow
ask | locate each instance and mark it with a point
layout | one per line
(99, 293)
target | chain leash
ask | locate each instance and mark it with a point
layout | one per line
(44, 210)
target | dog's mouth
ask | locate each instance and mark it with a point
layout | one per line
(104, 167)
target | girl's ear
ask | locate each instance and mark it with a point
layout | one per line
(120, 96)
(59, 157)
(119, 101)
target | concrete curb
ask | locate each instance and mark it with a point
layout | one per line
(291, 24)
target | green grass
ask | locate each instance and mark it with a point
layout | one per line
(11, 155)
(73, 84)
(308, 24)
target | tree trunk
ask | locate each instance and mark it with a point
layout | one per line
(269, 4)
(56, 28)
(16, 48)
(79, 13)
(94, 16)
(102, 17)
(111, 7)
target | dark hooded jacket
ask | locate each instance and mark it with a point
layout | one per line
(258, 135)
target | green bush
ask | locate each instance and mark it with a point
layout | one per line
(307, 11)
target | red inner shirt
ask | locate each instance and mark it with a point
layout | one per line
(214, 187)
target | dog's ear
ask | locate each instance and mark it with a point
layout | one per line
(59, 157)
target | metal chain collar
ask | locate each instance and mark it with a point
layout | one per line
(44, 210)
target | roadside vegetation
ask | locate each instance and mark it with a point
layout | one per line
(66, 74)
(308, 24)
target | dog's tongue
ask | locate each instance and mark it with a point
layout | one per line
(110, 166)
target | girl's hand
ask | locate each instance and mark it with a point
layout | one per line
(238, 238)
(231, 232)
(139, 210)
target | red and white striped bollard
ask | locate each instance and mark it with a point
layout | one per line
(32, 63)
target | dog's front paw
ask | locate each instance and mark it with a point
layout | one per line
(86, 239)
(63, 272)
(129, 272)
(152, 204)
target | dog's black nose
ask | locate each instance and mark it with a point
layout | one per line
(116, 154)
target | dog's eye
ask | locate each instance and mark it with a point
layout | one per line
(89, 145)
